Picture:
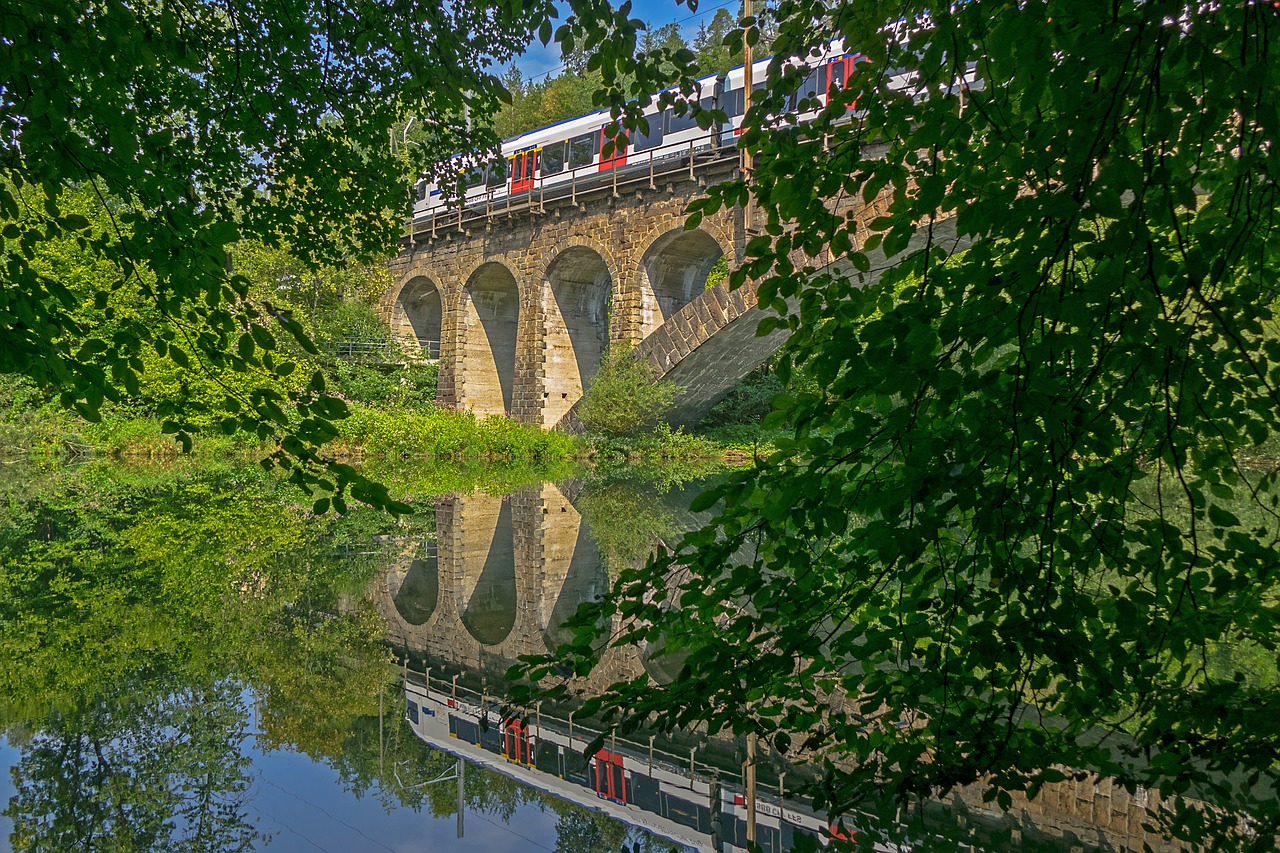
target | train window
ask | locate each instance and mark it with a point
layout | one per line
(652, 139)
(473, 177)
(837, 74)
(422, 190)
(731, 102)
(707, 104)
(810, 88)
(552, 162)
(582, 150)
(498, 171)
(676, 123)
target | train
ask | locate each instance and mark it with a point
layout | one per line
(578, 153)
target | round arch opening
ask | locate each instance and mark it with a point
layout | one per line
(577, 295)
(490, 324)
(673, 273)
(419, 315)
(419, 591)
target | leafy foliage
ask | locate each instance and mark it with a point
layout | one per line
(193, 127)
(1009, 538)
(624, 397)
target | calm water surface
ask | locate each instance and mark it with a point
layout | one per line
(193, 660)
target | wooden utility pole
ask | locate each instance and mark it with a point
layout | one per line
(747, 83)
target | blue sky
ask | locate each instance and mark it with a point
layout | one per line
(539, 60)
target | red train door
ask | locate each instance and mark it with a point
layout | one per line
(611, 780)
(839, 71)
(524, 166)
(619, 155)
(515, 741)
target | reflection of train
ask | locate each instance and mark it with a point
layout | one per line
(560, 160)
(625, 783)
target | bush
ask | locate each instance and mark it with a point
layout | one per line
(624, 398)
(413, 386)
(350, 321)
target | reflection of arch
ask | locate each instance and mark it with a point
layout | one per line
(488, 597)
(418, 313)
(576, 299)
(662, 667)
(584, 579)
(673, 272)
(419, 591)
(487, 349)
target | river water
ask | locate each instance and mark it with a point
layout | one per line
(195, 661)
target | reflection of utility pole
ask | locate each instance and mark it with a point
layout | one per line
(717, 815)
(751, 785)
(462, 768)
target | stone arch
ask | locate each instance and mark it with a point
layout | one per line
(416, 593)
(673, 272)
(417, 315)
(577, 295)
(489, 325)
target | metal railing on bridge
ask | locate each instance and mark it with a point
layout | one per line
(641, 169)
(384, 350)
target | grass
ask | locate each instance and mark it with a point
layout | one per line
(446, 434)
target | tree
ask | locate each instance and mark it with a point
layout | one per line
(566, 96)
(714, 56)
(194, 126)
(1015, 537)
(624, 397)
(520, 115)
(666, 37)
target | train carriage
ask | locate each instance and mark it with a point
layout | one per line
(578, 153)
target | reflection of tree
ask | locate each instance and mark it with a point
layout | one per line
(141, 771)
(626, 521)
(140, 603)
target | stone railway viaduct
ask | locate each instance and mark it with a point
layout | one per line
(526, 300)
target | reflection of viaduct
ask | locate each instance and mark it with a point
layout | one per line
(504, 576)
(525, 305)
(507, 571)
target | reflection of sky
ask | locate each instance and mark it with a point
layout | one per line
(304, 808)
(8, 757)
(539, 60)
